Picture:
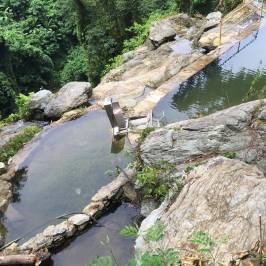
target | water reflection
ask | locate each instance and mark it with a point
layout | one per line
(88, 246)
(18, 183)
(63, 172)
(222, 84)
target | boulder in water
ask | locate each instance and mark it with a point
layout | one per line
(70, 96)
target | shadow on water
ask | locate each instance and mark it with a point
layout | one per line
(87, 247)
(62, 173)
(222, 84)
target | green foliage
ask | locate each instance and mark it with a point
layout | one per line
(188, 168)
(7, 95)
(35, 36)
(112, 64)
(204, 241)
(17, 142)
(206, 244)
(130, 231)
(76, 67)
(22, 105)
(101, 261)
(146, 132)
(155, 232)
(140, 31)
(205, 6)
(230, 154)
(151, 185)
(263, 259)
(257, 89)
(167, 257)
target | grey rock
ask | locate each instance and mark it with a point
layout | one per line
(79, 219)
(262, 166)
(223, 197)
(51, 237)
(5, 194)
(40, 100)
(147, 206)
(70, 96)
(162, 31)
(212, 20)
(2, 168)
(230, 130)
(262, 115)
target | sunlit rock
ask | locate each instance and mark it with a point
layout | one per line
(72, 95)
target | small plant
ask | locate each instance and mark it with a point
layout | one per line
(101, 261)
(17, 142)
(230, 154)
(256, 90)
(188, 168)
(206, 245)
(204, 241)
(22, 103)
(167, 257)
(146, 132)
(155, 232)
(113, 63)
(263, 259)
(130, 231)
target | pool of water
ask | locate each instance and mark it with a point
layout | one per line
(62, 173)
(222, 84)
(87, 247)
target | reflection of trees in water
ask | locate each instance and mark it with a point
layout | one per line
(18, 183)
(212, 89)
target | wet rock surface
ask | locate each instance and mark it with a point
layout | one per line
(223, 198)
(235, 132)
(70, 96)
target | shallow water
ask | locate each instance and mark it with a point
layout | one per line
(222, 84)
(62, 174)
(87, 247)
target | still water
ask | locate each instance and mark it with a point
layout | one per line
(222, 84)
(88, 246)
(62, 174)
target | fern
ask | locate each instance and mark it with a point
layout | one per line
(130, 231)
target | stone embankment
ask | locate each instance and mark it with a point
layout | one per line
(221, 197)
(56, 235)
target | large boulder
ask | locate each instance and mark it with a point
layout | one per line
(237, 132)
(212, 20)
(70, 96)
(162, 31)
(39, 102)
(2, 168)
(223, 198)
